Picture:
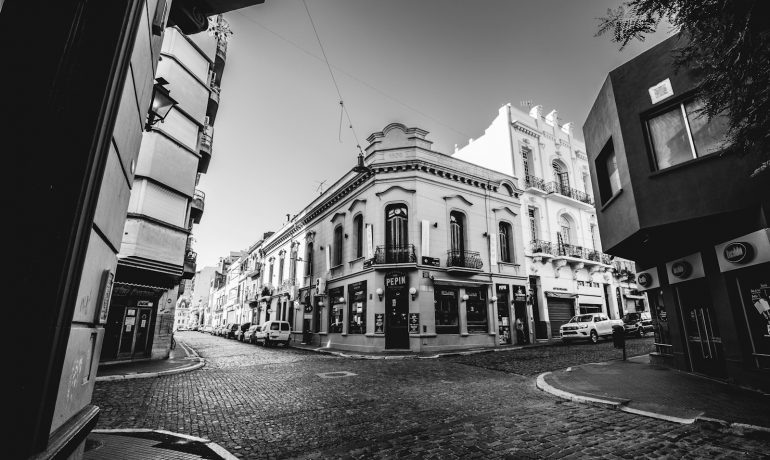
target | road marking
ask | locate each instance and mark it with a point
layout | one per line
(335, 375)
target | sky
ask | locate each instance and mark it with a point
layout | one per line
(445, 66)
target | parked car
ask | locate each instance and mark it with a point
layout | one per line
(194, 327)
(590, 326)
(206, 329)
(248, 336)
(637, 323)
(220, 331)
(238, 335)
(230, 330)
(274, 332)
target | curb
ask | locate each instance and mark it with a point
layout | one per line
(146, 375)
(343, 354)
(622, 405)
(216, 448)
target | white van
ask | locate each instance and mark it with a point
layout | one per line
(274, 332)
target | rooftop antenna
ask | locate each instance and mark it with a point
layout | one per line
(527, 104)
(320, 188)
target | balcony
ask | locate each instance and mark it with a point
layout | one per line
(205, 146)
(197, 205)
(391, 255)
(463, 261)
(213, 106)
(559, 190)
(546, 249)
(189, 264)
(535, 185)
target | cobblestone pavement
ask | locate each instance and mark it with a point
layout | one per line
(536, 360)
(271, 403)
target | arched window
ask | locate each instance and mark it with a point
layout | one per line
(358, 233)
(561, 177)
(506, 242)
(337, 246)
(525, 154)
(309, 260)
(457, 231)
(396, 233)
(565, 230)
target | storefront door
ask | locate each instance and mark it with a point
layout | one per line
(396, 311)
(135, 331)
(704, 343)
(503, 315)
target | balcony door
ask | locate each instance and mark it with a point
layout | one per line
(396, 233)
(561, 178)
(457, 238)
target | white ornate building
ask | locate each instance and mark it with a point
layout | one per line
(568, 273)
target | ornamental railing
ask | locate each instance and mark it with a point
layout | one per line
(465, 259)
(542, 247)
(556, 187)
(535, 182)
(395, 254)
(569, 250)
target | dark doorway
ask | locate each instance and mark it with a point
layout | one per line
(134, 333)
(396, 311)
(701, 331)
(503, 315)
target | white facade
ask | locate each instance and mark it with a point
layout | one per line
(568, 273)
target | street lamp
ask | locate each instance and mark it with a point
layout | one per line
(162, 103)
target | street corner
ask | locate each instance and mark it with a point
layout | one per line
(146, 443)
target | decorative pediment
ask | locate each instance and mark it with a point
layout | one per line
(458, 197)
(394, 188)
(336, 216)
(356, 202)
(505, 210)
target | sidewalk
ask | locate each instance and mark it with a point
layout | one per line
(181, 359)
(635, 386)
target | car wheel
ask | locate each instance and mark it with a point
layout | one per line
(594, 337)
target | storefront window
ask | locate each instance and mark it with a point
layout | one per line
(357, 306)
(754, 286)
(336, 309)
(476, 306)
(445, 299)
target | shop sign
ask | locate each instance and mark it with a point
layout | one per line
(502, 288)
(308, 308)
(738, 252)
(144, 303)
(414, 323)
(395, 279)
(379, 323)
(681, 269)
(661, 91)
(107, 280)
(432, 261)
(644, 279)
(520, 295)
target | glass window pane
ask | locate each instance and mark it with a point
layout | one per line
(669, 139)
(708, 136)
(612, 173)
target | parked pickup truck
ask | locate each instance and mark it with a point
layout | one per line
(590, 326)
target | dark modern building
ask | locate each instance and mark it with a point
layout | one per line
(672, 195)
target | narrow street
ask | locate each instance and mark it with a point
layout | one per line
(277, 403)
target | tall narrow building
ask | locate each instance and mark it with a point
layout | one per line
(156, 252)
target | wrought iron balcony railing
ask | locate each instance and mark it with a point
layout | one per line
(199, 199)
(190, 256)
(395, 254)
(535, 182)
(541, 246)
(569, 250)
(556, 187)
(465, 259)
(206, 139)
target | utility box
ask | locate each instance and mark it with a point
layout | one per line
(619, 337)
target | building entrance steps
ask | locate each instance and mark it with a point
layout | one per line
(636, 386)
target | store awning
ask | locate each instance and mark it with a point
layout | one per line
(449, 282)
(560, 295)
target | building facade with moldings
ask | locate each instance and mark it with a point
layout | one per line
(411, 250)
(567, 271)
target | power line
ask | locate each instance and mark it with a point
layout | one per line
(336, 86)
(351, 76)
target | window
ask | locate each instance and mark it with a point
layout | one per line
(533, 228)
(293, 266)
(445, 300)
(525, 154)
(397, 234)
(280, 270)
(476, 306)
(587, 183)
(594, 237)
(337, 246)
(607, 172)
(358, 233)
(561, 177)
(270, 279)
(337, 309)
(683, 133)
(506, 247)
(357, 308)
(457, 231)
(565, 230)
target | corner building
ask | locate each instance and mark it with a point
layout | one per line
(401, 253)
(568, 274)
(693, 214)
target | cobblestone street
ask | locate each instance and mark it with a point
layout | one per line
(272, 403)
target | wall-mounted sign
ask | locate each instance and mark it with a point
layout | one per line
(395, 279)
(644, 279)
(308, 308)
(144, 303)
(738, 252)
(681, 269)
(432, 261)
(379, 323)
(107, 279)
(661, 91)
(414, 323)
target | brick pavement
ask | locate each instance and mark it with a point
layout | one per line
(269, 403)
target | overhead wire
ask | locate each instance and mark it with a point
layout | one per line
(353, 77)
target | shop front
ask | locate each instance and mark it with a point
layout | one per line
(131, 321)
(649, 283)
(396, 310)
(561, 308)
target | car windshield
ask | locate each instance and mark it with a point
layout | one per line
(582, 319)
